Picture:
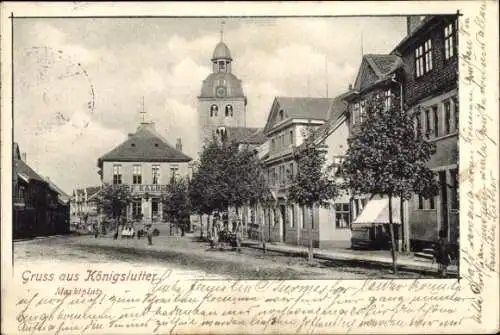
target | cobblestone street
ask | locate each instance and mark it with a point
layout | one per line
(194, 258)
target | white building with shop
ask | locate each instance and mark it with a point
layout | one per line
(146, 163)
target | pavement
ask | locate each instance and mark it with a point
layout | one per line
(382, 257)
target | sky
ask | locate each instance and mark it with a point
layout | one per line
(79, 83)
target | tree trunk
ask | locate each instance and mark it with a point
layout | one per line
(310, 253)
(201, 226)
(261, 228)
(208, 225)
(403, 225)
(393, 244)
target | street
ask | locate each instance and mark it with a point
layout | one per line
(194, 258)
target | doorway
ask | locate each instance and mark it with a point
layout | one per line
(283, 224)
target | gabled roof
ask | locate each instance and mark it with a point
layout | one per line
(337, 116)
(309, 108)
(91, 191)
(145, 145)
(26, 172)
(63, 195)
(257, 137)
(239, 135)
(299, 108)
(381, 65)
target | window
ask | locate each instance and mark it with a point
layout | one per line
(427, 123)
(454, 205)
(282, 114)
(222, 65)
(387, 99)
(449, 41)
(282, 140)
(457, 112)
(432, 204)
(428, 55)
(342, 216)
(291, 137)
(213, 110)
(229, 110)
(156, 174)
(291, 171)
(420, 202)
(423, 58)
(419, 61)
(117, 174)
(137, 175)
(136, 208)
(272, 144)
(435, 118)
(447, 117)
(173, 172)
(418, 126)
(155, 206)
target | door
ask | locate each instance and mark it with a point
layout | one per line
(443, 194)
(283, 224)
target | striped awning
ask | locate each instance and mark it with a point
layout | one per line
(376, 211)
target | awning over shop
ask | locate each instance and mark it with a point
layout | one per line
(376, 212)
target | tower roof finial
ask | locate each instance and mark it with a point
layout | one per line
(222, 23)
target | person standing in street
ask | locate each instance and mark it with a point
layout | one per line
(442, 253)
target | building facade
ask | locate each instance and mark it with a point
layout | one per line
(40, 208)
(430, 55)
(84, 206)
(288, 124)
(421, 73)
(146, 163)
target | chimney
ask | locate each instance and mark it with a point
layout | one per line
(412, 22)
(130, 135)
(23, 157)
(350, 87)
(178, 145)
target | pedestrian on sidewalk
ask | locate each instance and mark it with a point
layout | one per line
(150, 234)
(442, 254)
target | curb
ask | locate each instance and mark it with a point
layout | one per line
(340, 257)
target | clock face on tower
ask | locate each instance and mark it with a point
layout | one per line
(220, 92)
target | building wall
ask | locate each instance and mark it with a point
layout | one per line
(431, 91)
(208, 124)
(444, 74)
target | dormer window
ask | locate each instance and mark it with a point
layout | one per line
(282, 114)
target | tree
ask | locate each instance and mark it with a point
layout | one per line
(314, 184)
(175, 202)
(385, 157)
(113, 201)
(253, 188)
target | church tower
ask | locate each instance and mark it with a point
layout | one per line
(221, 102)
